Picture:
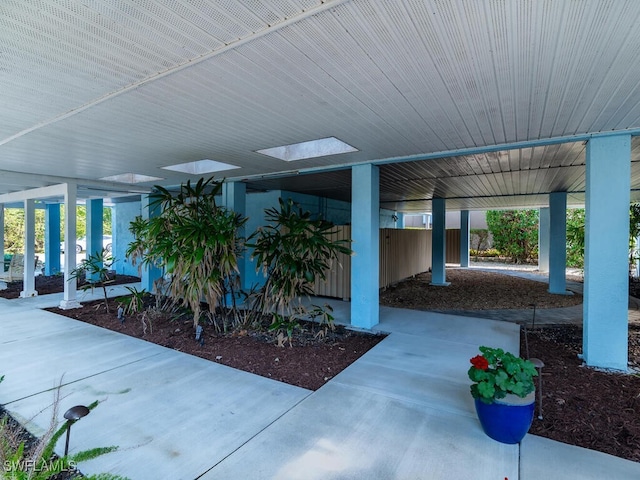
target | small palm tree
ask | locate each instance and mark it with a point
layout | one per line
(94, 271)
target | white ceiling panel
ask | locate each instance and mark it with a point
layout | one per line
(94, 88)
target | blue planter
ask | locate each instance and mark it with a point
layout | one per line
(504, 421)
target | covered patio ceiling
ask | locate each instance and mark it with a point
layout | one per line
(465, 100)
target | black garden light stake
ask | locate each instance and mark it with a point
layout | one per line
(73, 415)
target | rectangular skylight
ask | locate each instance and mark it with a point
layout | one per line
(312, 149)
(130, 178)
(201, 166)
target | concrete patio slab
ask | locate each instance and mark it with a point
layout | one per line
(342, 432)
(172, 415)
(401, 411)
(544, 458)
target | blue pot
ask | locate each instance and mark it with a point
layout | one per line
(504, 421)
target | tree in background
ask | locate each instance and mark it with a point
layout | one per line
(575, 238)
(14, 227)
(515, 233)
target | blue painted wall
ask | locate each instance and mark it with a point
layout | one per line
(123, 214)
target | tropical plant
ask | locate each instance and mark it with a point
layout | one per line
(497, 373)
(515, 233)
(193, 240)
(133, 303)
(39, 461)
(575, 237)
(95, 272)
(292, 250)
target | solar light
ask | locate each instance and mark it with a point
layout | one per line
(73, 415)
(538, 364)
(121, 314)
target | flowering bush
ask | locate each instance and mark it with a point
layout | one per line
(497, 373)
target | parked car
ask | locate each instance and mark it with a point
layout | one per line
(81, 244)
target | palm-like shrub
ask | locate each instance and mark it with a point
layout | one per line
(193, 240)
(293, 249)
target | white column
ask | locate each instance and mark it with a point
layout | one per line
(606, 271)
(365, 232)
(70, 290)
(3, 285)
(29, 284)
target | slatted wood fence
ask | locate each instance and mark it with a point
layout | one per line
(403, 253)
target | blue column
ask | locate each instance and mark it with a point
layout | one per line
(52, 238)
(234, 197)
(365, 233)
(606, 285)
(29, 285)
(149, 274)
(400, 220)
(94, 226)
(439, 241)
(464, 238)
(558, 243)
(544, 235)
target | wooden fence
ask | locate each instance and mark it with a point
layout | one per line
(403, 253)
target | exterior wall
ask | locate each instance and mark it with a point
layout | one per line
(123, 214)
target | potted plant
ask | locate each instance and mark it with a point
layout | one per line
(504, 393)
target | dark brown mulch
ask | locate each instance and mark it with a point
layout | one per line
(54, 284)
(307, 364)
(584, 406)
(473, 290)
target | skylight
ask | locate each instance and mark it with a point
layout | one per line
(312, 149)
(130, 178)
(201, 166)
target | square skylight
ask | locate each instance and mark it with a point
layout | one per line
(130, 178)
(312, 149)
(201, 166)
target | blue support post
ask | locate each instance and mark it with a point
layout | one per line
(94, 226)
(439, 241)
(234, 197)
(544, 236)
(149, 273)
(52, 238)
(465, 235)
(558, 243)
(365, 232)
(606, 285)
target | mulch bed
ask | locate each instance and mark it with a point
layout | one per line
(584, 406)
(54, 284)
(473, 290)
(308, 363)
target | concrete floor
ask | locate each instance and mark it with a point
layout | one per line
(402, 411)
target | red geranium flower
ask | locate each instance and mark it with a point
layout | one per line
(480, 362)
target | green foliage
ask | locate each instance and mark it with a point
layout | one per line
(41, 463)
(95, 272)
(497, 373)
(479, 239)
(14, 227)
(293, 250)
(515, 233)
(193, 240)
(575, 238)
(133, 303)
(490, 252)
